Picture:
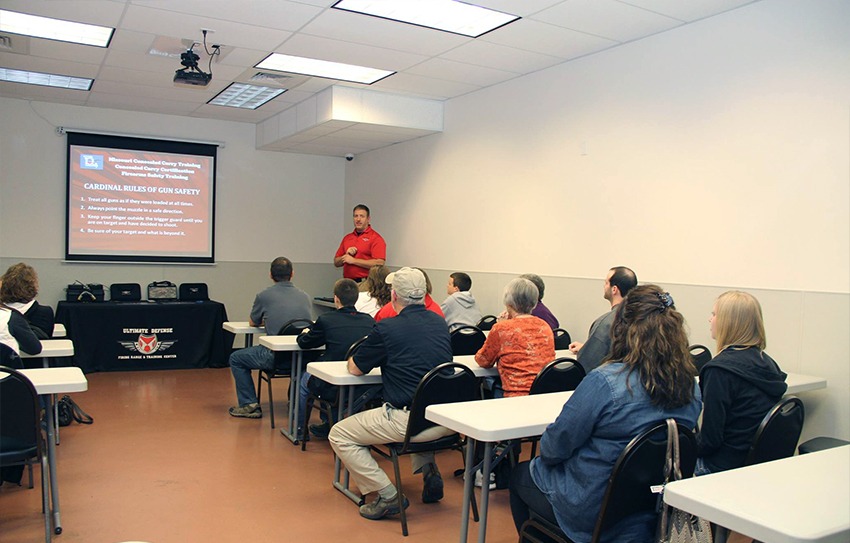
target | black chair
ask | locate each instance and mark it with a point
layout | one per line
(778, 433)
(467, 339)
(562, 339)
(560, 375)
(821, 443)
(326, 404)
(486, 322)
(282, 363)
(700, 355)
(447, 383)
(21, 439)
(640, 466)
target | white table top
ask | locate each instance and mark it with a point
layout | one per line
(59, 330)
(284, 343)
(797, 382)
(336, 373)
(800, 499)
(502, 418)
(57, 380)
(53, 348)
(243, 327)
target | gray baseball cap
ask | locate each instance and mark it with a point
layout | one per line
(408, 283)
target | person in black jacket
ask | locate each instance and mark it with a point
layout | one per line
(336, 331)
(739, 385)
(18, 289)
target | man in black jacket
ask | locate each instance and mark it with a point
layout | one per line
(336, 330)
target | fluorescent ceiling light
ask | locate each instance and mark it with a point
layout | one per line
(322, 68)
(245, 96)
(47, 80)
(54, 29)
(447, 15)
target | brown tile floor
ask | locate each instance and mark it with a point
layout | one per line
(164, 463)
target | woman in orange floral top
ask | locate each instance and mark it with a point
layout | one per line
(520, 342)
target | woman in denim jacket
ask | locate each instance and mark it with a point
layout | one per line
(647, 378)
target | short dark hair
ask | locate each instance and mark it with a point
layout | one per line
(347, 292)
(281, 269)
(624, 279)
(538, 282)
(364, 207)
(462, 281)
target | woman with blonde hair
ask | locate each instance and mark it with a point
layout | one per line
(739, 385)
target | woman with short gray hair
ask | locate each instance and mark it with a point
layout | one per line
(520, 342)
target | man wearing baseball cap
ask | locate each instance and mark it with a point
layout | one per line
(405, 347)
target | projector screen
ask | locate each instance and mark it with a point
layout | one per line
(139, 200)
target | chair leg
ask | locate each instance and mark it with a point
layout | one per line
(402, 514)
(533, 449)
(260, 387)
(271, 402)
(45, 505)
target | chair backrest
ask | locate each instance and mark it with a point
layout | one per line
(778, 433)
(562, 339)
(560, 375)
(20, 414)
(467, 339)
(354, 346)
(700, 355)
(9, 358)
(294, 327)
(487, 322)
(640, 466)
(446, 383)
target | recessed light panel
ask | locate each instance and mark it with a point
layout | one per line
(54, 29)
(322, 68)
(245, 96)
(46, 80)
(447, 15)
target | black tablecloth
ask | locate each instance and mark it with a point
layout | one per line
(116, 336)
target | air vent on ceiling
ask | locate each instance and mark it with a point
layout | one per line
(13, 43)
(274, 79)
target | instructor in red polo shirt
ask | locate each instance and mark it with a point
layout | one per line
(360, 249)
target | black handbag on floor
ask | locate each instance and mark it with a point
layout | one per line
(69, 412)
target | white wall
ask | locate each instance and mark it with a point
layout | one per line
(267, 204)
(710, 157)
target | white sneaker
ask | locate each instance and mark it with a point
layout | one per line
(479, 477)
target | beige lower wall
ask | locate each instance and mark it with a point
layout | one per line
(807, 331)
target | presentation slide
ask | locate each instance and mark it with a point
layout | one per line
(131, 199)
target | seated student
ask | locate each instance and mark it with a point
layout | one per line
(18, 289)
(540, 310)
(16, 333)
(389, 311)
(460, 307)
(374, 291)
(336, 330)
(521, 343)
(648, 378)
(272, 309)
(739, 385)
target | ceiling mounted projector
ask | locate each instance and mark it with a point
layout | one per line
(190, 74)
